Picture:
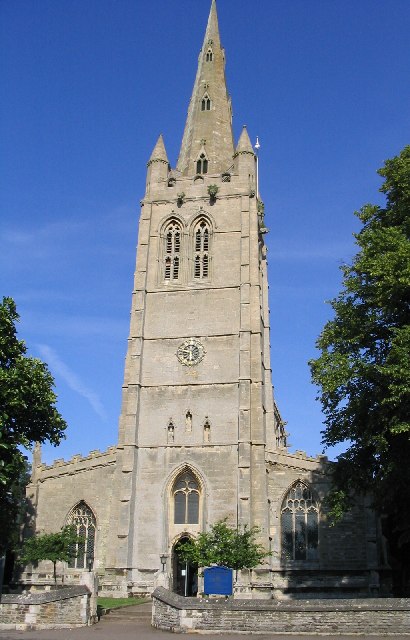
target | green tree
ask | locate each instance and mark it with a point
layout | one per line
(27, 411)
(56, 547)
(363, 372)
(224, 546)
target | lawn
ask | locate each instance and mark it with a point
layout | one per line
(116, 603)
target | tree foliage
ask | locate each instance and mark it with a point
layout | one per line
(224, 546)
(363, 371)
(56, 547)
(27, 408)
(14, 509)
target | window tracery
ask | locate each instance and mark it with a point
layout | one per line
(300, 524)
(202, 164)
(206, 103)
(209, 55)
(83, 519)
(201, 250)
(186, 499)
(172, 251)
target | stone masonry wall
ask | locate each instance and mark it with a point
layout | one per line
(384, 617)
(56, 489)
(66, 607)
(347, 560)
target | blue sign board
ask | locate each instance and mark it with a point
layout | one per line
(218, 581)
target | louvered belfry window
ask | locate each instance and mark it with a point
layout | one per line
(172, 251)
(201, 256)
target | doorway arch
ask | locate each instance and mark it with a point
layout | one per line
(184, 574)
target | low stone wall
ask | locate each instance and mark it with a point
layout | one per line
(63, 607)
(381, 616)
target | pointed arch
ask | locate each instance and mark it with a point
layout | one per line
(202, 164)
(186, 494)
(83, 519)
(172, 248)
(209, 55)
(202, 240)
(186, 508)
(206, 103)
(299, 523)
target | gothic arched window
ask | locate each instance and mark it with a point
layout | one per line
(83, 519)
(172, 251)
(186, 499)
(202, 164)
(300, 524)
(201, 250)
(209, 55)
(206, 103)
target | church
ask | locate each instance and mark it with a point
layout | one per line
(200, 437)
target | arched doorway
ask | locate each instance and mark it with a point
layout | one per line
(184, 575)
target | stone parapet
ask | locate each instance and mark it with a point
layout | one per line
(380, 616)
(77, 462)
(65, 608)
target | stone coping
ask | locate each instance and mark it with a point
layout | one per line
(230, 604)
(42, 597)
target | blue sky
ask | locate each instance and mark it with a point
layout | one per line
(87, 87)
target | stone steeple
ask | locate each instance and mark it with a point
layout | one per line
(208, 128)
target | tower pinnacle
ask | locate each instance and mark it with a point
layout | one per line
(208, 128)
(159, 153)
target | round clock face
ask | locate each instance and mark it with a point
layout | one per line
(190, 352)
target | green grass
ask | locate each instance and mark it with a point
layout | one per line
(116, 603)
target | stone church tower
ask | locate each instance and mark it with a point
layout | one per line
(200, 436)
(197, 408)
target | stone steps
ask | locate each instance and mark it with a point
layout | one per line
(133, 613)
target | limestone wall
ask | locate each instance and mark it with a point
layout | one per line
(65, 608)
(348, 617)
(55, 489)
(347, 559)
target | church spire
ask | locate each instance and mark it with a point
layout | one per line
(208, 140)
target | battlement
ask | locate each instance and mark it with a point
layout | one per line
(92, 456)
(297, 458)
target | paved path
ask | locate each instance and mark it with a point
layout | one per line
(134, 623)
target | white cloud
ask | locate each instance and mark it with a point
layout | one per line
(71, 379)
